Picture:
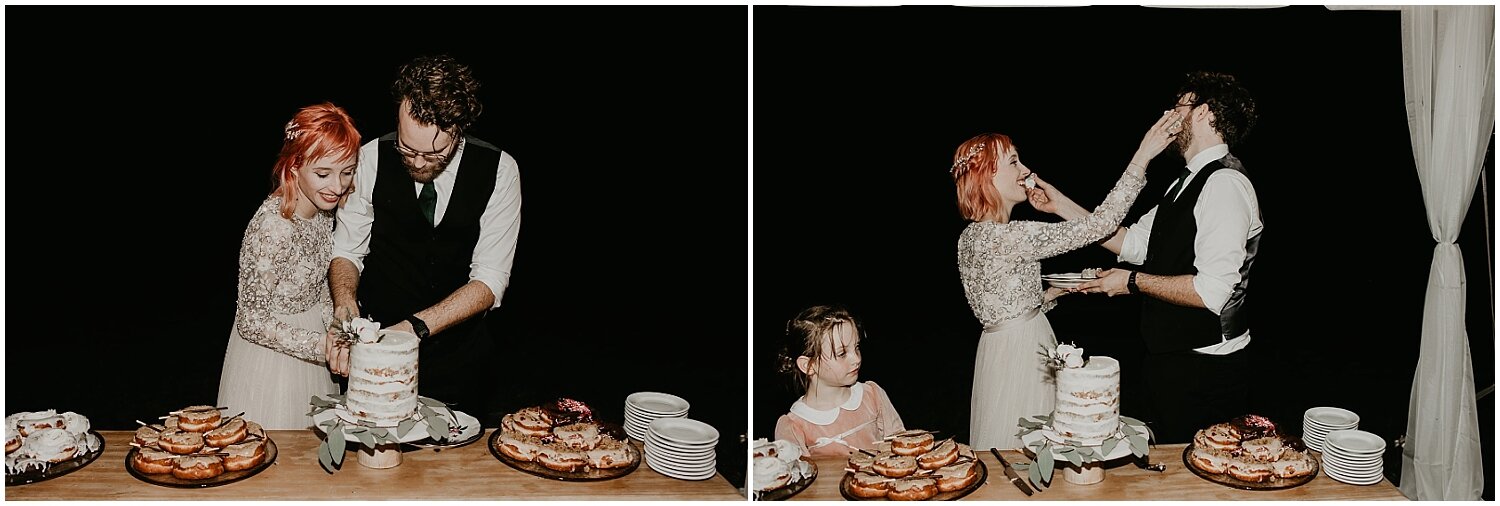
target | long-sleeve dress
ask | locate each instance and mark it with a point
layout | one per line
(1000, 267)
(274, 360)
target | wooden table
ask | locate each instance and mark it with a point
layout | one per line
(468, 472)
(1123, 481)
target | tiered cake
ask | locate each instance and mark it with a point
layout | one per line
(1088, 401)
(383, 379)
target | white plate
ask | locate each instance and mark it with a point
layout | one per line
(1353, 480)
(1356, 442)
(686, 431)
(1342, 454)
(684, 466)
(657, 440)
(1331, 416)
(656, 403)
(683, 458)
(1122, 449)
(670, 473)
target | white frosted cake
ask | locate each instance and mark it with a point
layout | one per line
(383, 379)
(1088, 401)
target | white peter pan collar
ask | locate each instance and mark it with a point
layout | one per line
(825, 417)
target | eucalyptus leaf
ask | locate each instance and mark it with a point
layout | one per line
(428, 401)
(1132, 421)
(1074, 459)
(366, 438)
(1021, 466)
(366, 423)
(404, 427)
(1086, 454)
(1138, 446)
(355, 429)
(325, 459)
(328, 424)
(381, 435)
(1128, 430)
(1071, 442)
(442, 427)
(320, 402)
(1109, 445)
(1036, 476)
(433, 432)
(1067, 449)
(1044, 460)
(339, 398)
(336, 444)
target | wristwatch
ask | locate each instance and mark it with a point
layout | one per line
(1130, 285)
(420, 327)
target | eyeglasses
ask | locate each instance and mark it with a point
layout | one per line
(433, 157)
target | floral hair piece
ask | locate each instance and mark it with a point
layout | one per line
(291, 130)
(962, 165)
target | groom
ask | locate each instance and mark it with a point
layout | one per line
(1195, 250)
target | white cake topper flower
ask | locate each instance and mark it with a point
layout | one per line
(1064, 356)
(353, 329)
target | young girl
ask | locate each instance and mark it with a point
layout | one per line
(836, 413)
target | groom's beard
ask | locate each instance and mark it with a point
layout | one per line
(1183, 140)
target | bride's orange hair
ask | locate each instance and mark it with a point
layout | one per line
(314, 132)
(973, 173)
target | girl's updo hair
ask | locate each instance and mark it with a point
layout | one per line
(804, 338)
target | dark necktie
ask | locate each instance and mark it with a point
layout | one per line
(428, 201)
(1176, 188)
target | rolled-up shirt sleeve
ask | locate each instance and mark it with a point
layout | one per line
(1226, 214)
(1133, 246)
(351, 238)
(499, 228)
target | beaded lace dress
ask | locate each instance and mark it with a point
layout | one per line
(274, 360)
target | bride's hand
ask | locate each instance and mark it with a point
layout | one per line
(1158, 137)
(1052, 293)
(1044, 197)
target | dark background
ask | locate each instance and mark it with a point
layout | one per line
(859, 111)
(157, 135)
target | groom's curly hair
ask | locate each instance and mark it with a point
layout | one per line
(442, 91)
(1232, 105)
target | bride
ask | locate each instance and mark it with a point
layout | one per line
(999, 263)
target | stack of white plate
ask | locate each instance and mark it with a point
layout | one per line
(1355, 457)
(1318, 422)
(681, 448)
(641, 408)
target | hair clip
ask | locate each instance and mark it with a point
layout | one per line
(962, 165)
(291, 130)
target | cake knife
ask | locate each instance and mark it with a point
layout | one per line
(1010, 472)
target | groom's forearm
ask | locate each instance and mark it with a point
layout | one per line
(343, 284)
(1178, 289)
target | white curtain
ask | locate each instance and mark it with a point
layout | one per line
(1448, 59)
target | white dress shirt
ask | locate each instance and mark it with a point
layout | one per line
(1227, 215)
(499, 225)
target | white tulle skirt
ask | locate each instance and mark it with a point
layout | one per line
(271, 387)
(1010, 381)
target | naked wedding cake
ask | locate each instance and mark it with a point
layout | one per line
(1088, 397)
(383, 379)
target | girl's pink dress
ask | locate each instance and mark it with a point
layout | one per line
(865, 419)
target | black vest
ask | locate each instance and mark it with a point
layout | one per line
(1168, 327)
(413, 265)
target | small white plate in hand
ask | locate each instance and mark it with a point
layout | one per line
(1068, 280)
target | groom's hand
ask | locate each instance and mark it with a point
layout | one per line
(1111, 282)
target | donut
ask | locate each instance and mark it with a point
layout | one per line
(912, 489)
(1222, 437)
(956, 476)
(180, 442)
(1292, 464)
(147, 435)
(770, 473)
(578, 436)
(508, 423)
(227, 434)
(862, 462)
(52, 445)
(519, 446)
(562, 459)
(198, 467)
(965, 452)
(1253, 426)
(153, 461)
(940, 456)
(170, 422)
(1209, 460)
(75, 423)
(29, 423)
(241, 456)
(12, 442)
(533, 422)
(908, 443)
(895, 466)
(869, 485)
(253, 429)
(1254, 472)
(198, 418)
(1265, 449)
(610, 454)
